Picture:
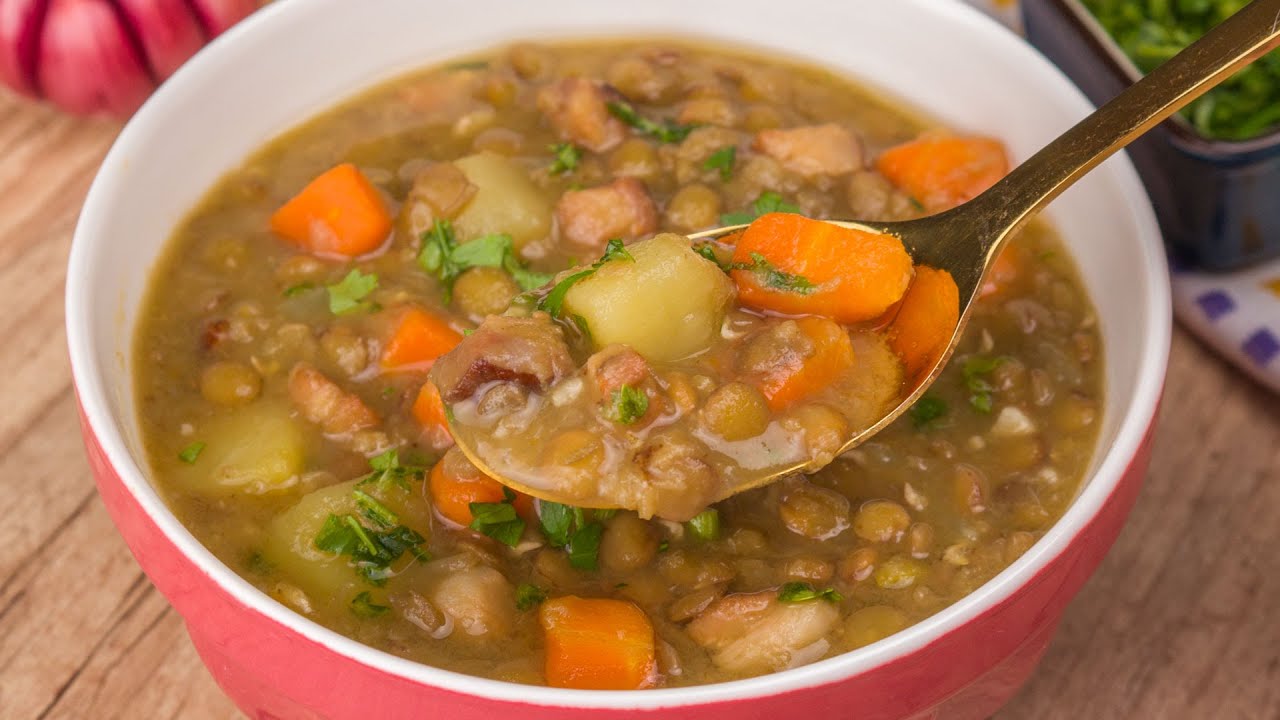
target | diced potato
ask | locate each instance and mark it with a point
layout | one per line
(290, 540)
(506, 201)
(256, 450)
(667, 305)
(290, 545)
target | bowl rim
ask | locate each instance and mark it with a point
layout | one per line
(1101, 485)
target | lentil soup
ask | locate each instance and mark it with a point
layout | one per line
(290, 330)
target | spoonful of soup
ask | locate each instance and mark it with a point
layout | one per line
(677, 371)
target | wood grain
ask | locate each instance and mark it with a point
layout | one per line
(1182, 621)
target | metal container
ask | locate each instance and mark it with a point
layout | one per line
(1218, 201)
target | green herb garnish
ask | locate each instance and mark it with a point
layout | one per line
(375, 547)
(628, 405)
(927, 409)
(795, 592)
(386, 470)
(345, 297)
(708, 251)
(498, 520)
(975, 370)
(189, 453)
(363, 606)
(298, 289)
(775, 278)
(566, 160)
(553, 301)
(665, 131)
(584, 546)
(443, 256)
(705, 525)
(375, 511)
(1150, 32)
(556, 521)
(529, 596)
(768, 202)
(567, 527)
(722, 160)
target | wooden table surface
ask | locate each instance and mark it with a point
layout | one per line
(1182, 620)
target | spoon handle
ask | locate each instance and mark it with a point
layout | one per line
(1236, 42)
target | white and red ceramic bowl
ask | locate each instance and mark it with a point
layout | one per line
(299, 57)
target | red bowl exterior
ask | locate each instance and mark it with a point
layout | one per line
(273, 672)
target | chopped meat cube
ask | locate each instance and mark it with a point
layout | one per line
(576, 108)
(621, 209)
(615, 366)
(529, 351)
(757, 633)
(813, 150)
(325, 403)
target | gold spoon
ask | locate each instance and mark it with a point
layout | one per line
(965, 241)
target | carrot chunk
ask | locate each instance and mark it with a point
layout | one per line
(926, 320)
(943, 171)
(790, 264)
(428, 410)
(338, 213)
(597, 644)
(418, 340)
(455, 483)
(832, 357)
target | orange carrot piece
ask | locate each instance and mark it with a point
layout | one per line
(453, 494)
(428, 410)
(1003, 272)
(418, 340)
(926, 320)
(832, 357)
(943, 171)
(339, 213)
(597, 644)
(852, 275)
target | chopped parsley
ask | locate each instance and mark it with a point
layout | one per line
(705, 525)
(189, 453)
(374, 511)
(443, 256)
(566, 160)
(584, 546)
(796, 592)
(556, 520)
(665, 131)
(372, 550)
(568, 527)
(768, 202)
(1246, 105)
(664, 546)
(975, 370)
(628, 405)
(722, 160)
(363, 606)
(386, 469)
(708, 251)
(529, 596)
(298, 289)
(346, 296)
(927, 409)
(774, 278)
(374, 547)
(498, 520)
(553, 301)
